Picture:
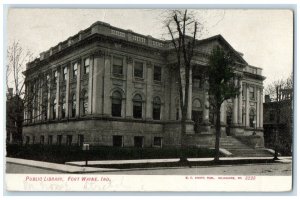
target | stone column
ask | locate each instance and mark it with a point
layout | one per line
(240, 108)
(149, 97)
(261, 111)
(107, 86)
(129, 87)
(235, 108)
(173, 94)
(206, 104)
(205, 127)
(90, 85)
(223, 113)
(247, 105)
(190, 98)
(257, 107)
(97, 89)
(67, 90)
(57, 93)
(78, 92)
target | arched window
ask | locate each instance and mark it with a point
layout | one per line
(252, 118)
(137, 106)
(84, 102)
(54, 104)
(116, 104)
(156, 108)
(73, 106)
(63, 107)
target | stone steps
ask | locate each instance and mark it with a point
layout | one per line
(237, 148)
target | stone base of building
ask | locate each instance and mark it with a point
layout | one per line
(200, 141)
(103, 131)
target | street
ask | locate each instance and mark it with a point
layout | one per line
(279, 169)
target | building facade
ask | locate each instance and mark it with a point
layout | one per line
(113, 87)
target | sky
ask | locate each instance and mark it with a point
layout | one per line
(265, 37)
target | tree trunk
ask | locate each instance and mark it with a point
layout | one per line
(218, 134)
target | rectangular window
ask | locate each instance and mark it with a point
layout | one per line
(86, 69)
(196, 83)
(69, 140)
(138, 70)
(50, 139)
(157, 73)
(65, 71)
(251, 93)
(59, 139)
(117, 141)
(80, 140)
(137, 110)
(55, 77)
(157, 141)
(139, 141)
(117, 66)
(75, 68)
(42, 139)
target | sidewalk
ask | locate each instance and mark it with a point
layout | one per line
(144, 161)
(79, 166)
(56, 167)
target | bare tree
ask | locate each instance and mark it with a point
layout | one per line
(183, 30)
(284, 84)
(179, 27)
(17, 57)
(23, 98)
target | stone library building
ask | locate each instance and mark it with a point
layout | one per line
(107, 86)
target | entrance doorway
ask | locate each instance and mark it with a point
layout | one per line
(197, 118)
(228, 120)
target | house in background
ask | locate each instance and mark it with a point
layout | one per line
(283, 110)
(14, 118)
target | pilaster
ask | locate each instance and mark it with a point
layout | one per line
(129, 87)
(235, 108)
(190, 96)
(107, 86)
(240, 107)
(79, 64)
(247, 105)
(149, 89)
(67, 90)
(258, 107)
(90, 84)
(97, 89)
(57, 93)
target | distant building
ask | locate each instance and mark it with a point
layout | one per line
(14, 117)
(284, 110)
(114, 87)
